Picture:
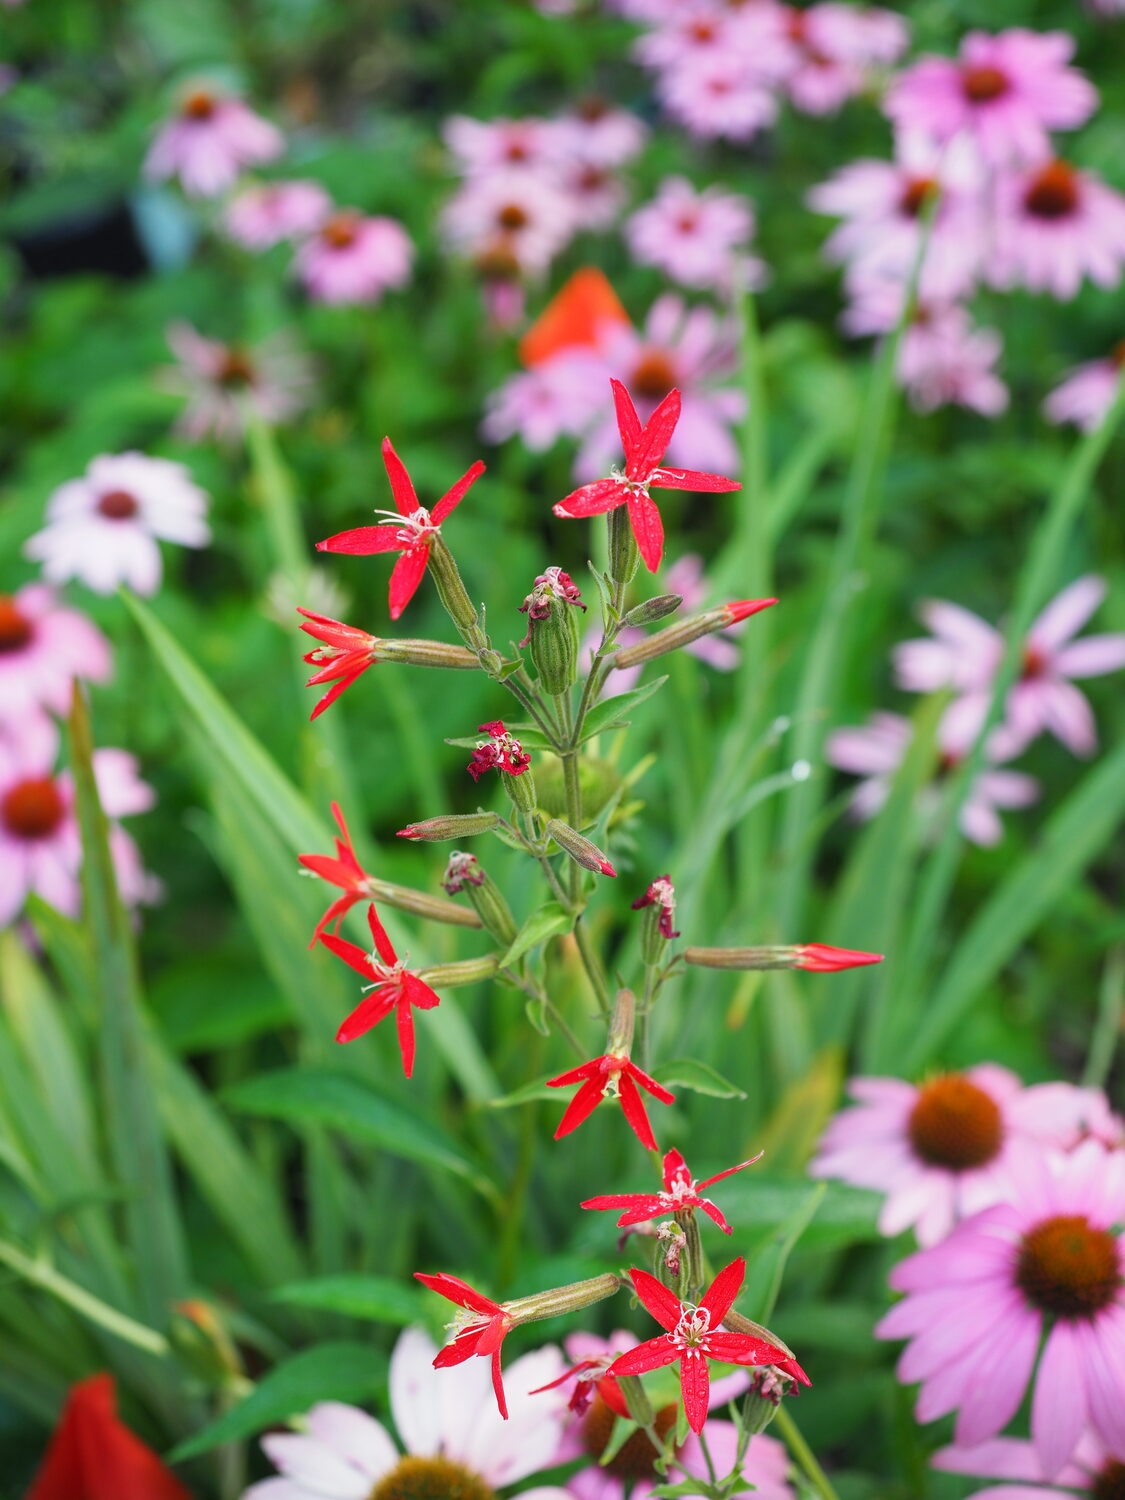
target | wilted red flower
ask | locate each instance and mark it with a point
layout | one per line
(614, 1076)
(344, 870)
(644, 449)
(483, 1334)
(695, 1335)
(681, 1192)
(501, 752)
(590, 1378)
(346, 654)
(395, 988)
(93, 1456)
(410, 531)
(661, 893)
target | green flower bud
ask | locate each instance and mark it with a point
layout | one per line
(552, 629)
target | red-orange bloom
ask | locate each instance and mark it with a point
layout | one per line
(346, 654)
(610, 1075)
(395, 988)
(93, 1456)
(681, 1192)
(344, 870)
(484, 1334)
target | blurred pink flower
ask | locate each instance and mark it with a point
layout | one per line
(833, 50)
(698, 238)
(224, 383)
(525, 216)
(354, 257)
(490, 146)
(40, 850)
(965, 653)
(43, 647)
(1090, 1470)
(599, 134)
(876, 750)
(103, 528)
(266, 213)
(595, 193)
(209, 142)
(1005, 91)
(943, 1150)
(1055, 225)
(1049, 1261)
(717, 93)
(1088, 392)
(558, 398)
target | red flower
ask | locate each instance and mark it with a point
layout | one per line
(411, 531)
(644, 449)
(663, 893)
(590, 1378)
(395, 988)
(695, 1335)
(612, 1075)
(501, 752)
(481, 1335)
(819, 958)
(346, 655)
(344, 870)
(681, 1192)
(93, 1455)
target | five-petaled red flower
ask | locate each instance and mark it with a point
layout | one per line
(615, 1076)
(483, 1334)
(346, 654)
(644, 449)
(500, 752)
(411, 531)
(395, 988)
(344, 870)
(590, 1379)
(661, 893)
(681, 1192)
(694, 1335)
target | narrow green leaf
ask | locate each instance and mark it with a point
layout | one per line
(546, 921)
(763, 1280)
(699, 1077)
(756, 1203)
(528, 1093)
(339, 1371)
(607, 714)
(377, 1298)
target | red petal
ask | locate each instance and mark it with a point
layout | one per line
(692, 479)
(628, 422)
(328, 867)
(719, 1297)
(660, 1300)
(402, 487)
(383, 945)
(591, 1069)
(819, 958)
(618, 1200)
(646, 1082)
(498, 1385)
(730, 1171)
(362, 541)
(453, 497)
(335, 915)
(458, 1291)
(462, 1348)
(695, 1387)
(334, 692)
(353, 955)
(674, 1167)
(580, 1108)
(655, 438)
(743, 1349)
(419, 993)
(610, 1392)
(633, 1108)
(648, 529)
(654, 1354)
(333, 632)
(713, 1212)
(652, 1209)
(368, 1013)
(406, 575)
(406, 1035)
(592, 499)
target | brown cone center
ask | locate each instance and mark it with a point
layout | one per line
(340, 231)
(980, 85)
(512, 216)
(1110, 1483)
(431, 1479)
(118, 505)
(954, 1124)
(32, 809)
(654, 375)
(1069, 1268)
(199, 105)
(16, 630)
(636, 1457)
(237, 369)
(917, 195)
(1052, 192)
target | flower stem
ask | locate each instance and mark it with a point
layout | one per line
(803, 1454)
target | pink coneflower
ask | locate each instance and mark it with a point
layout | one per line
(489, 146)
(1054, 226)
(210, 141)
(266, 213)
(1088, 392)
(454, 1440)
(1090, 1470)
(965, 655)
(558, 398)
(698, 238)
(599, 134)
(876, 750)
(354, 257)
(944, 1149)
(40, 849)
(103, 528)
(834, 48)
(1006, 92)
(596, 194)
(1049, 1261)
(528, 217)
(43, 647)
(716, 93)
(224, 384)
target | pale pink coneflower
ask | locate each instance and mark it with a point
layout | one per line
(1048, 1261)
(833, 51)
(209, 141)
(453, 1437)
(44, 647)
(268, 213)
(685, 33)
(942, 1150)
(1006, 92)
(718, 94)
(354, 258)
(489, 146)
(225, 384)
(696, 237)
(40, 847)
(964, 655)
(526, 216)
(558, 398)
(103, 528)
(1088, 392)
(1090, 1470)
(875, 750)
(599, 134)
(1055, 226)
(596, 195)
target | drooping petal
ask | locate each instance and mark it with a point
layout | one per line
(362, 541)
(695, 1387)
(498, 1383)
(335, 914)
(335, 691)
(581, 1107)
(372, 1009)
(456, 493)
(714, 1212)
(632, 1106)
(657, 1090)
(592, 499)
(655, 438)
(719, 1297)
(406, 575)
(383, 945)
(402, 487)
(406, 1041)
(648, 529)
(354, 956)
(657, 1298)
(693, 479)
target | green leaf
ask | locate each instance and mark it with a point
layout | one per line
(758, 1204)
(699, 1077)
(545, 922)
(607, 714)
(375, 1297)
(314, 1096)
(339, 1371)
(528, 1093)
(763, 1280)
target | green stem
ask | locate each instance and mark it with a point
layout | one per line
(43, 1275)
(803, 1454)
(593, 967)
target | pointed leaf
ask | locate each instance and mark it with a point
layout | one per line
(700, 1077)
(545, 922)
(607, 714)
(377, 1298)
